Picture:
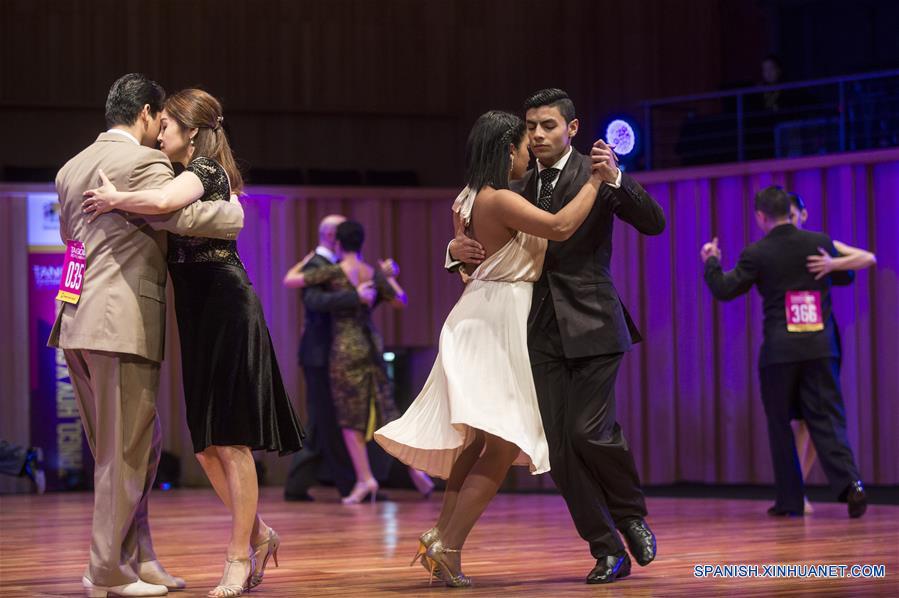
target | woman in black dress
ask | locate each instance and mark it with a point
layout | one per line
(236, 402)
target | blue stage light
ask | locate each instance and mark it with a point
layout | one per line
(622, 136)
(623, 132)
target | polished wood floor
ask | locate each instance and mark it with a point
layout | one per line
(524, 546)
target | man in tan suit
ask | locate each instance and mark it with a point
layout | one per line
(113, 337)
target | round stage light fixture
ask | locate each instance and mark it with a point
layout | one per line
(622, 135)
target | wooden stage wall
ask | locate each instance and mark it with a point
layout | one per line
(354, 84)
(687, 396)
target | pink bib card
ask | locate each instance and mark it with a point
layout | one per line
(804, 311)
(72, 272)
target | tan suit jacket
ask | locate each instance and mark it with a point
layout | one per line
(122, 305)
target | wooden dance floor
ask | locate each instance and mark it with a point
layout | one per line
(524, 546)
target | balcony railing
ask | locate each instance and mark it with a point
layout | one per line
(804, 118)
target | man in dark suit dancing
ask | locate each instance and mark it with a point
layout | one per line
(799, 363)
(578, 331)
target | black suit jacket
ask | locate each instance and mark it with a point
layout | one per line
(320, 303)
(776, 264)
(576, 279)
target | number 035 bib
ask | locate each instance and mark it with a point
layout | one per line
(72, 275)
(804, 311)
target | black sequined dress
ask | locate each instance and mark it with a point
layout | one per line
(232, 385)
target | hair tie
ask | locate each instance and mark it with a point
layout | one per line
(218, 123)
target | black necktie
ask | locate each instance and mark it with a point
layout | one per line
(546, 188)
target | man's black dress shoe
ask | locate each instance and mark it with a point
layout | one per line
(640, 540)
(609, 568)
(776, 512)
(858, 501)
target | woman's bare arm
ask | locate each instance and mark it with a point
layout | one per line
(399, 300)
(181, 191)
(853, 258)
(294, 278)
(850, 258)
(517, 213)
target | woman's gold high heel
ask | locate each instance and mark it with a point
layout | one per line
(274, 543)
(233, 590)
(424, 542)
(437, 554)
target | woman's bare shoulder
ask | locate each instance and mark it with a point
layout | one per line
(497, 197)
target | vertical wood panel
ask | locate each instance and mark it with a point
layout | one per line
(687, 396)
(14, 348)
(660, 377)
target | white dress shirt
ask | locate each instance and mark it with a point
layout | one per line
(125, 134)
(326, 253)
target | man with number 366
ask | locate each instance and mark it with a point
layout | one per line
(799, 360)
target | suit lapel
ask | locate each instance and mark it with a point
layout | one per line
(561, 192)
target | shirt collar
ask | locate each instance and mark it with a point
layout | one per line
(126, 134)
(558, 165)
(326, 253)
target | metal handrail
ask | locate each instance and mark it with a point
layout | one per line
(740, 93)
(714, 95)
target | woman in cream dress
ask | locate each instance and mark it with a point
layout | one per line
(477, 414)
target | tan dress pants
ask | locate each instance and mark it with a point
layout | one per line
(116, 395)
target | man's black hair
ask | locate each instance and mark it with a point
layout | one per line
(773, 202)
(554, 98)
(128, 96)
(350, 235)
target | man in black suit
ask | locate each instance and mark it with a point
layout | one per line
(324, 453)
(578, 331)
(799, 359)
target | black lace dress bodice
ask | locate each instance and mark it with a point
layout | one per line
(185, 250)
(233, 391)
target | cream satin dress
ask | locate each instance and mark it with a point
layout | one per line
(482, 376)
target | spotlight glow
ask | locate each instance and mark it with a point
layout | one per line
(621, 134)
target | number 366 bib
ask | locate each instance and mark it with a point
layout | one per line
(804, 311)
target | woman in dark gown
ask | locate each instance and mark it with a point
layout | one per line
(235, 398)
